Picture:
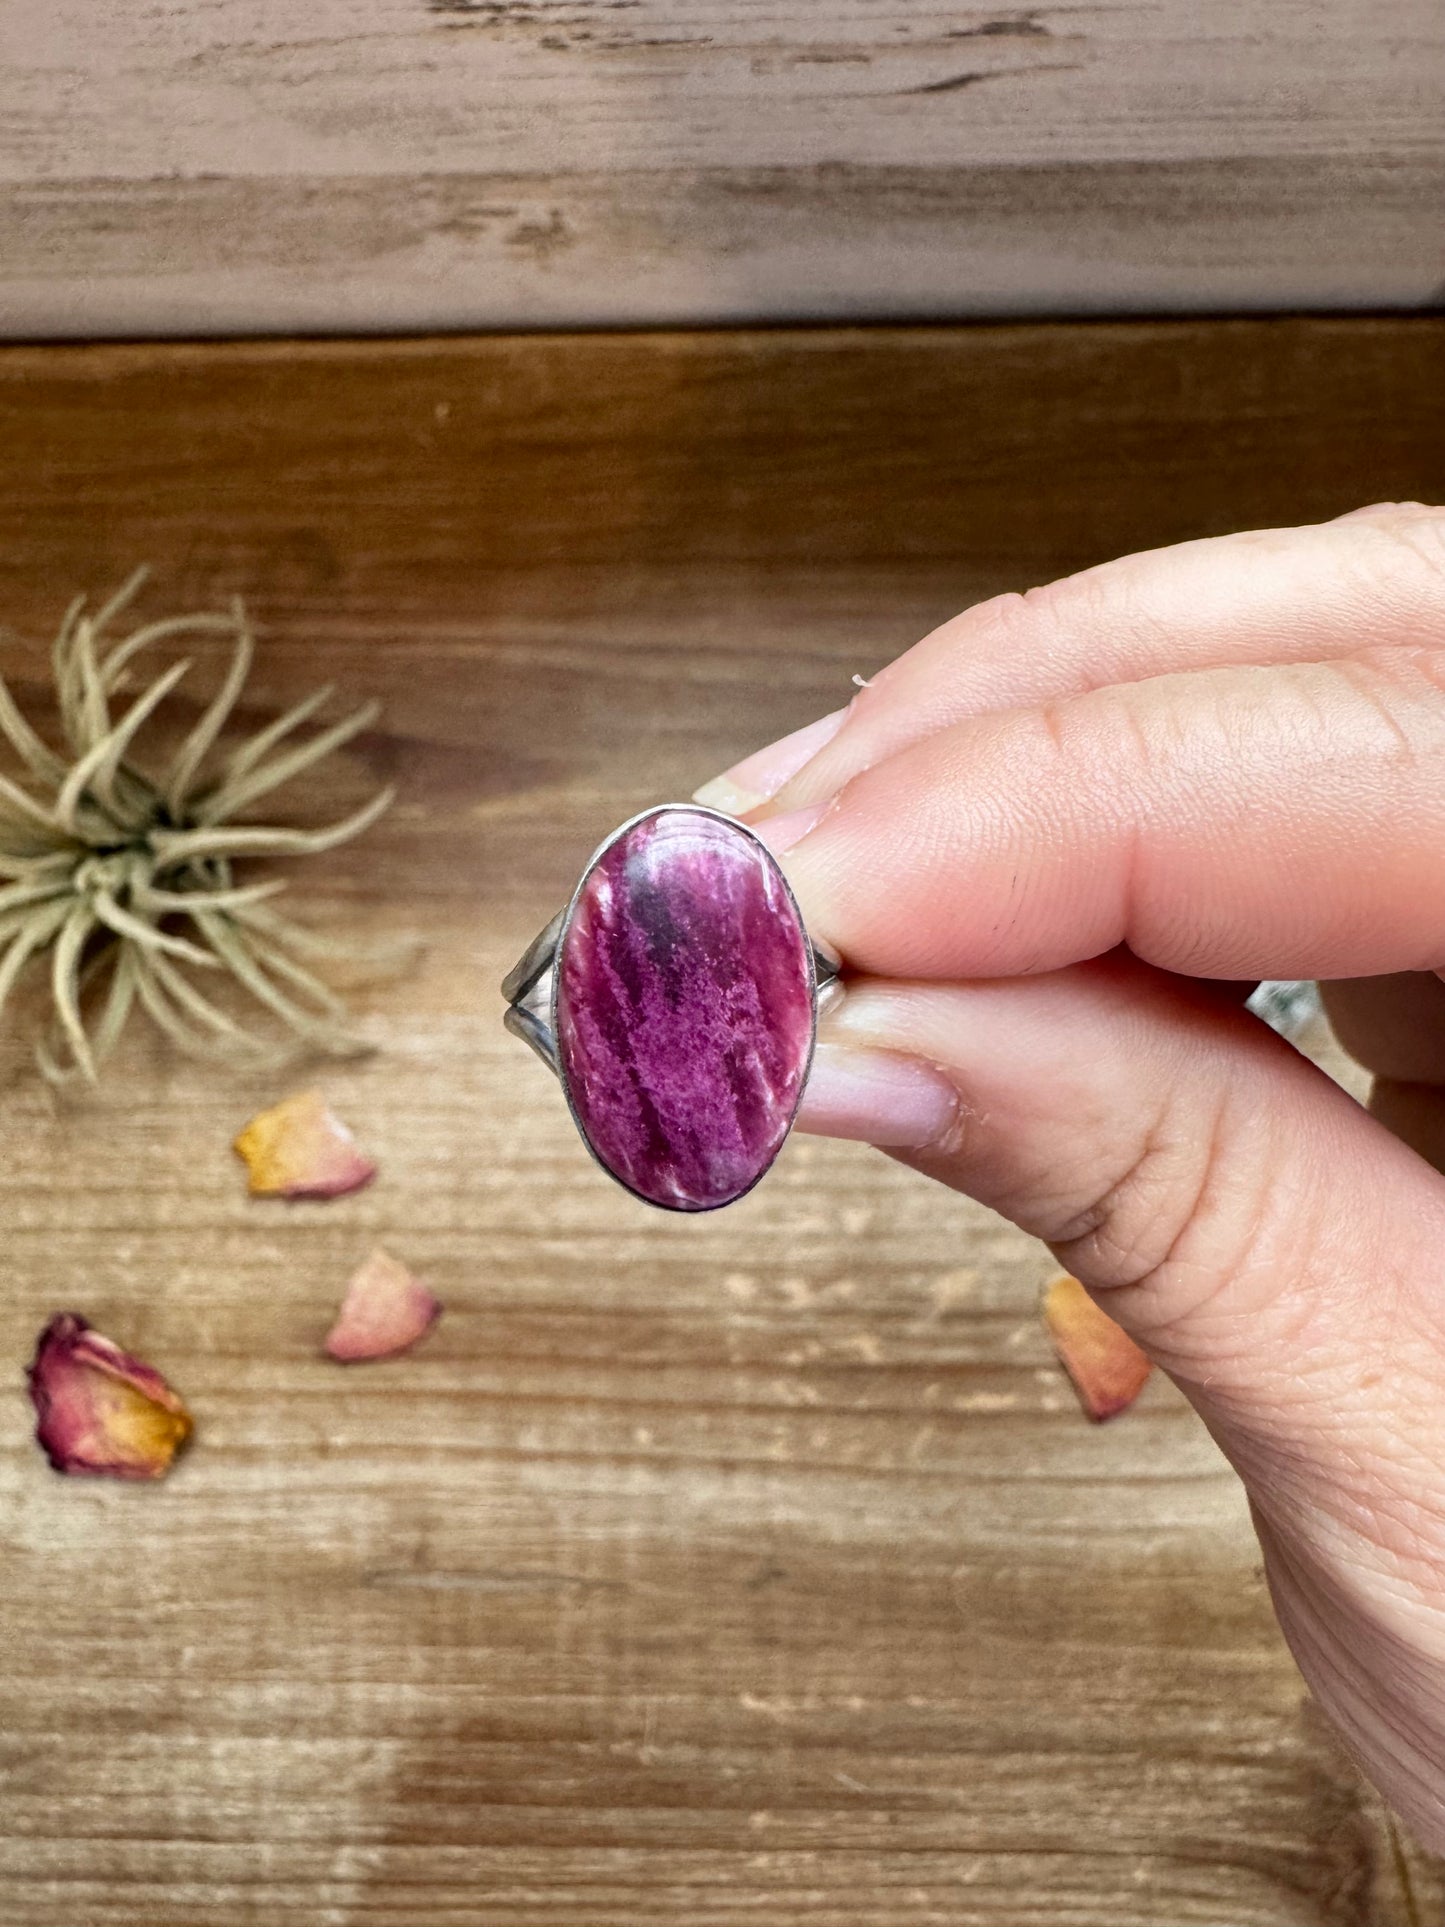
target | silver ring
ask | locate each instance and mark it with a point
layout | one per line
(676, 998)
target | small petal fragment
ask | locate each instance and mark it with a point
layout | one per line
(1107, 1367)
(98, 1410)
(386, 1308)
(301, 1149)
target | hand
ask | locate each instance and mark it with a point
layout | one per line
(1057, 842)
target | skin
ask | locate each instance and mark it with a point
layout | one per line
(1057, 842)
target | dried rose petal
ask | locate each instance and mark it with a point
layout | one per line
(1107, 1367)
(301, 1149)
(98, 1409)
(386, 1308)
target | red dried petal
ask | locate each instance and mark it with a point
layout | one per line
(386, 1308)
(98, 1409)
(1107, 1367)
(301, 1149)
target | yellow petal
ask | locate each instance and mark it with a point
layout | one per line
(301, 1149)
(98, 1409)
(1107, 1367)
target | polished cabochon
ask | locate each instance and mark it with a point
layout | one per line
(683, 1007)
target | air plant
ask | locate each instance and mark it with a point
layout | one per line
(121, 880)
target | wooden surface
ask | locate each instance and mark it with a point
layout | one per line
(382, 164)
(751, 1568)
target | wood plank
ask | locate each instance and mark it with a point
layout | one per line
(489, 163)
(753, 1567)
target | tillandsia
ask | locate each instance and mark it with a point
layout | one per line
(120, 880)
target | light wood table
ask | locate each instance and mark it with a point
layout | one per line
(756, 1568)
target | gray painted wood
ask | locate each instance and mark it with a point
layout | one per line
(473, 163)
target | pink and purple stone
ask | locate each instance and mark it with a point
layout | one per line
(684, 1008)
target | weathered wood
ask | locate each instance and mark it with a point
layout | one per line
(759, 1566)
(466, 163)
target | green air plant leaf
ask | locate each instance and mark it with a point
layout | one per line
(117, 881)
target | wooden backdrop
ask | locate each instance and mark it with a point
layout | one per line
(751, 1568)
(380, 164)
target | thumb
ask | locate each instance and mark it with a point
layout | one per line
(1269, 1244)
(1239, 1211)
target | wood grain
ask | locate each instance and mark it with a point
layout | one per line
(758, 1567)
(486, 163)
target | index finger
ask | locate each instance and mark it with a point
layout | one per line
(1286, 821)
(1374, 578)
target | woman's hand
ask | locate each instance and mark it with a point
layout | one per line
(1056, 842)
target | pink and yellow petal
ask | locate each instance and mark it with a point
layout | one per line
(99, 1410)
(301, 1149)
(1107, 1367)
(386, 1309)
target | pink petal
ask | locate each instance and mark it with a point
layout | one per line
(385, 1309)
(301, 1149)
(98, 1409)
(1107, 1367)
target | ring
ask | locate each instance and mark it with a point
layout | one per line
(677, 998)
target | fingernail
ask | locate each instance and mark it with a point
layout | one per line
(877, 1096)
(780, 833)
(751, 782)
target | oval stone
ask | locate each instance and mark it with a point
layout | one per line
(684, 1008)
